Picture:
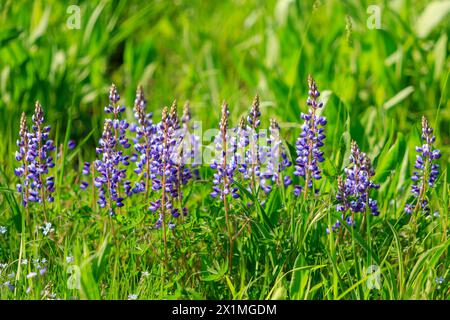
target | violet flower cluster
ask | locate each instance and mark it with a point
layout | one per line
(191, 144)
(275, 160)
(145, 131)
(224, 163)
(308, 144)
(253, 153)
(34, 153)
(426, 170)
(354, 192)
(259, 158)
(110, 167)
(169, 173)
(244, 142)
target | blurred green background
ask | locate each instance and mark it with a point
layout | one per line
(207, 51)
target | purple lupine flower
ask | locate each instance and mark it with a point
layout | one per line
(71, 145)
(354, 193)
(310, 141)
(166, 173)
(242, 156)
(426, 170)
(181, 156)
(35, 152)
(86, 171)
(109, 170)
(143, 142)
(25, 155)
(225, 169)
(277, 159)
(191, 153)
(120, 126)
(110, 174)
(253, 153)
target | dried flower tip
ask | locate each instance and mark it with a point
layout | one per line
(255, 113)
(242, 123)
(139, 105)
(38, 116)
(174, 112)
(224, 118)
(23, 125)
(274, 124)
(114, 96)
(186, 113)
(313, 94)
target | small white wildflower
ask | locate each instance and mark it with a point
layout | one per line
(132, 297)
(69, 259)
(145, 274)
(31, 275)
(3, 229)
(436, 214)
(3, 265)
(24, 261)
(47, 228)
(11, 275)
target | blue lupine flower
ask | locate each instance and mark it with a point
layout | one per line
(25, 156)
(354, 193)
(310, 141)
(71, 145)
(35, 154)
(168, 173)
(426, 170)
(109, 170)
(253, 152)
(275, 159)
(223, 164)
(143, 142)
(191, 153)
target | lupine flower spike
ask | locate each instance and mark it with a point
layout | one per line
(108, 173)
(310, 141)
(24, 157)
(254, 121)
(274, 159)
(143, 142)
(354, 193)
(35, 155)
(279, 158)
(224, 176)
(191, 142)
(426, 171)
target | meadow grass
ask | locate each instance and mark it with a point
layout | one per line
(376, 85)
